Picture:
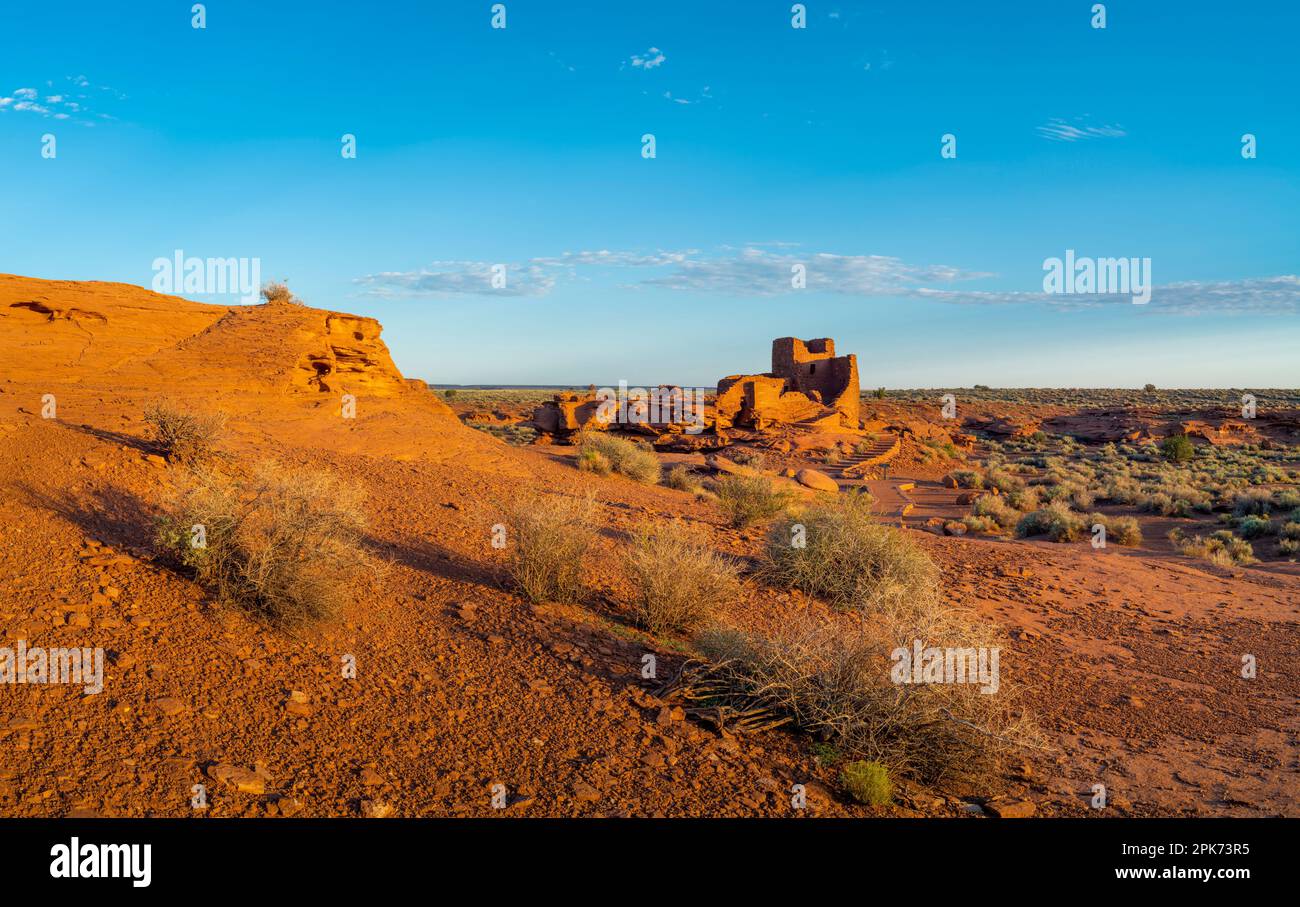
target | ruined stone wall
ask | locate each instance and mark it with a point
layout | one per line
(812, 368)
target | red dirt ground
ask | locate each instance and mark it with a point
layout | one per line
(1129, 659)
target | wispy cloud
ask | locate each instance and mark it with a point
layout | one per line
(751, 271)
(761, 270)
(651, 59)
(459, 278)
(758, 272)
(1078, 129)
(1253, 295)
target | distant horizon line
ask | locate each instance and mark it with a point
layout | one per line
(581, 385)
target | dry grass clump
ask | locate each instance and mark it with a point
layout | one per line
(844, 557)
(628, 458)
(681, 581)
(547, 537)
(590, 460)
(834, 682)
(748, 456)
(181, 436)
(748, 499)
(1056, 521)
(1222, 548)
(682, 479)
(286, 544)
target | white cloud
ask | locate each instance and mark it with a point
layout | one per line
(1058, 130)
(57, 105)
(649, 60)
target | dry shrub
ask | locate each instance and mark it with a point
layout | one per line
(547, 537)
(996, 509)
(636, 461)
(681, 581)
(184, 437)
(834, 682)
(1122, 530)
(850, 561)
(277, 291)
(1252, 501)
(966, 478)
(748, 499)
(284, 543)
(682, 479)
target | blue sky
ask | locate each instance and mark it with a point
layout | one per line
(775, 146)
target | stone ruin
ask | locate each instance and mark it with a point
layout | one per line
(808, 388)
(808, 385)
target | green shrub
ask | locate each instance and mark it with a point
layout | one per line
(1253, 526)
(1055, 521)
(1177, 449)
(867, 782)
